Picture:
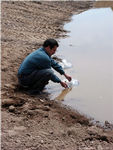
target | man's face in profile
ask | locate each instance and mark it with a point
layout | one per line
(52, 51)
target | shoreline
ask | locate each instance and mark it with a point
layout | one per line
(30, 122)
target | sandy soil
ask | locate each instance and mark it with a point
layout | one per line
(35, 122)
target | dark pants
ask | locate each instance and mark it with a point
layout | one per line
(36, 80)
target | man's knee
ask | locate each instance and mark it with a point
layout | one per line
(49, 72)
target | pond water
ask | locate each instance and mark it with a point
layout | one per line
(89, 48)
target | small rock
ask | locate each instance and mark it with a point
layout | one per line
(46, 115)
(4, 69)
(9, 86)
(63, 118)
(46, 108)
(30, 112)
(108, 125)
(41, 141)
(51, 132)
(41, 100)
(11, 108)
(19, 128)
(93, 130)
(28, 134)
(17, 141)
(7, 102)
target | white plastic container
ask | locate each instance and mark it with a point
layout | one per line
(72, 83)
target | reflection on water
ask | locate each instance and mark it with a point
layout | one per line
(63, 94)
(89, 48)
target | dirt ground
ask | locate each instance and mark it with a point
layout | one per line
(35, 122)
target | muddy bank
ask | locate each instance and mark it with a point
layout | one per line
(36, 123)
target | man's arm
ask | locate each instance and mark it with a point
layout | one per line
(59, 69)
(68, 77)
(63, 84)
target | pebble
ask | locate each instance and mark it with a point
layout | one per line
(9, 86)
(17, 141)
(19, 128)
(41, 141)
(7, 102)
(30, 112)
(51, 132)
(4, 69)
(93, 130)
(46, 108)
(41, 100)
(28, 134)
(46, 116)
(11, 108)
(107, 123)
(63, 118)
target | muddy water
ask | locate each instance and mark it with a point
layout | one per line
(89, 47)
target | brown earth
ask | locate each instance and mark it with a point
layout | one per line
(35, 122)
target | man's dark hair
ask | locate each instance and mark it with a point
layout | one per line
(50, 42)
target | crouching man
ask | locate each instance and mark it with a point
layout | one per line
(36, 69)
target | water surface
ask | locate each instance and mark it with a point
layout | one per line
(89, 47)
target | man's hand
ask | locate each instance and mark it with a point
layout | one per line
(63, 84)
(68, 77)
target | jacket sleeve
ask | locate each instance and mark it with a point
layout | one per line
(57, 67)
(54, 78)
